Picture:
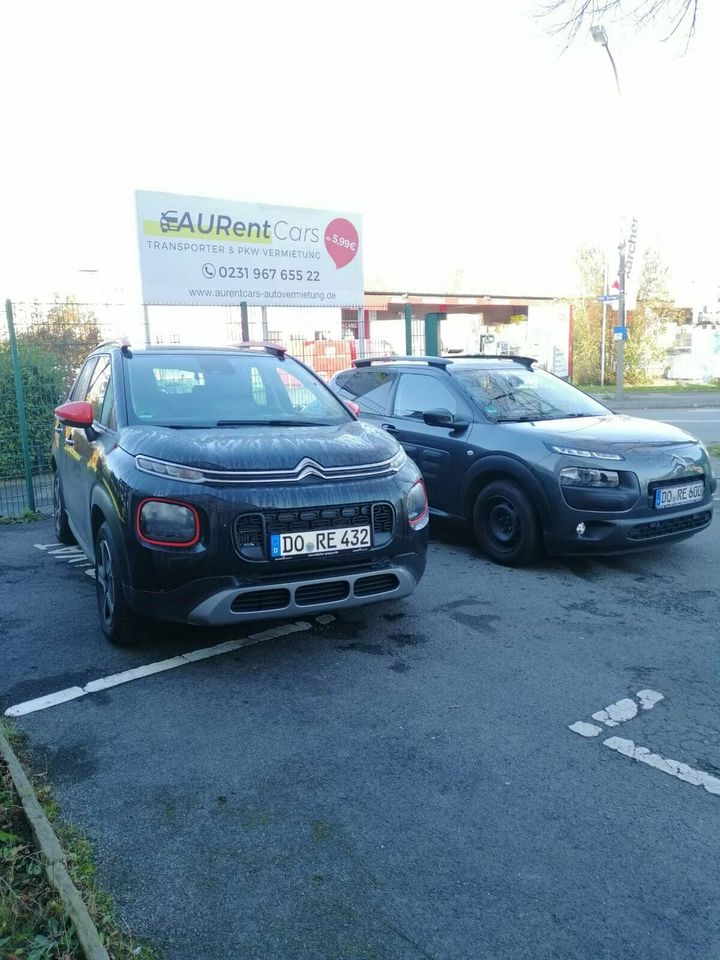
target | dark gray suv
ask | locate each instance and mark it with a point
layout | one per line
(531, 461)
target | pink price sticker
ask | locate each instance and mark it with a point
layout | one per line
(341, 241)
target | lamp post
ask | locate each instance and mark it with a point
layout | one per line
(600, 36)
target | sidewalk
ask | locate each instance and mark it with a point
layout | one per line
(659, 401)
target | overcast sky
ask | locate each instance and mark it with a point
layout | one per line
(478, 154)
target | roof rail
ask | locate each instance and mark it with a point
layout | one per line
(525, 361)
(274, 348)
(121, 342)
(440, 362)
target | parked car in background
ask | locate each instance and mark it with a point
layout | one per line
(529, 461)
(328, 357)
(213, 486)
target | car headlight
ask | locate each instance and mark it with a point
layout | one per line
(167, 523)
(175, 471)
(417, 506)
(588, 477)
(574, 452)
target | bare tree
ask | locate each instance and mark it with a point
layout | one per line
(568, 17)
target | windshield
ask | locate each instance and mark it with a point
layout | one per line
(221, 390)
(519, 394)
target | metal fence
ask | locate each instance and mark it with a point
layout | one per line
(42, 345)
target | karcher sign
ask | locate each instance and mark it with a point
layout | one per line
(195, 250)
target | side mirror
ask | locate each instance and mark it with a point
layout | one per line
(79, 413)
(443, 418)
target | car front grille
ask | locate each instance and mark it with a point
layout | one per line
(259, 601)
(252, 530)
(661, 528)
(380, 583)
(329, 591)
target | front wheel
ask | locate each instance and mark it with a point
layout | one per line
(63, 533)
(506, 524)
(119, 624)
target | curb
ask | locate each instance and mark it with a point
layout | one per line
(54, 858)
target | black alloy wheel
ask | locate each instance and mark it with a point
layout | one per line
(506, 524)
(119, 624)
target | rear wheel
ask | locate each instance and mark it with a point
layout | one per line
(63, 533)
(119, 624)
(506, 524)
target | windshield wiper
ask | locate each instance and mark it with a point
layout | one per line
(525, 418)
(272, 423)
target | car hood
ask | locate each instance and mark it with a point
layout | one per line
(254, 448)
(615, 433)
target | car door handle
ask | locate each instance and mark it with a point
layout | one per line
(390, 427)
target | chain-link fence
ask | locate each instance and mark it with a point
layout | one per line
(42, 346)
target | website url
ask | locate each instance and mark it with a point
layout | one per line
(317, 295)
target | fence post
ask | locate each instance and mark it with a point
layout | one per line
(20, 397)
(408, 330)
(244, 322)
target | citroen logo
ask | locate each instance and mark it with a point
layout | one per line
(308, 468)
(680, 465)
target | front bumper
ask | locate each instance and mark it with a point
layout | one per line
(625, 534)
(221, 601)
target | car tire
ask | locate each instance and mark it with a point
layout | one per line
(506, 524)
(63, 533)
(118, 622)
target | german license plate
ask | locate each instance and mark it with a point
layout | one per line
(319, 541)
(679, 495)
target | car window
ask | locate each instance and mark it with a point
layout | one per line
(95, 393)
(211, 389)
(107, 416)
(369, 388)
(79, 391)
(418, 392)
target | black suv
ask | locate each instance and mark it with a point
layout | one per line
(218, 485)
(527, 459)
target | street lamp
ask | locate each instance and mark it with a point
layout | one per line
(600, 36)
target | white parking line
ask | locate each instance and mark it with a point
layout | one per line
(616, 713)
(137, 673)
(623, 710)
(674, 767)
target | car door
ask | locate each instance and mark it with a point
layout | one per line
(439, 452)
(66, 458)
(84, 452)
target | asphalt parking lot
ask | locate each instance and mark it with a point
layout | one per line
(401, 781)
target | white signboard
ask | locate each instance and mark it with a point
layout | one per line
(195, 250)
(548, 336)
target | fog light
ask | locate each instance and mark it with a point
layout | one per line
(580, 529)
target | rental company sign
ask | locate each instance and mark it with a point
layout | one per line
(195, 250)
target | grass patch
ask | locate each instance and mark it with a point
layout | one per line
(33, 923)
(714, 449)
(27, 516)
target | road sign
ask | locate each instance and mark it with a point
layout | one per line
(620, 333)
(608, 298)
